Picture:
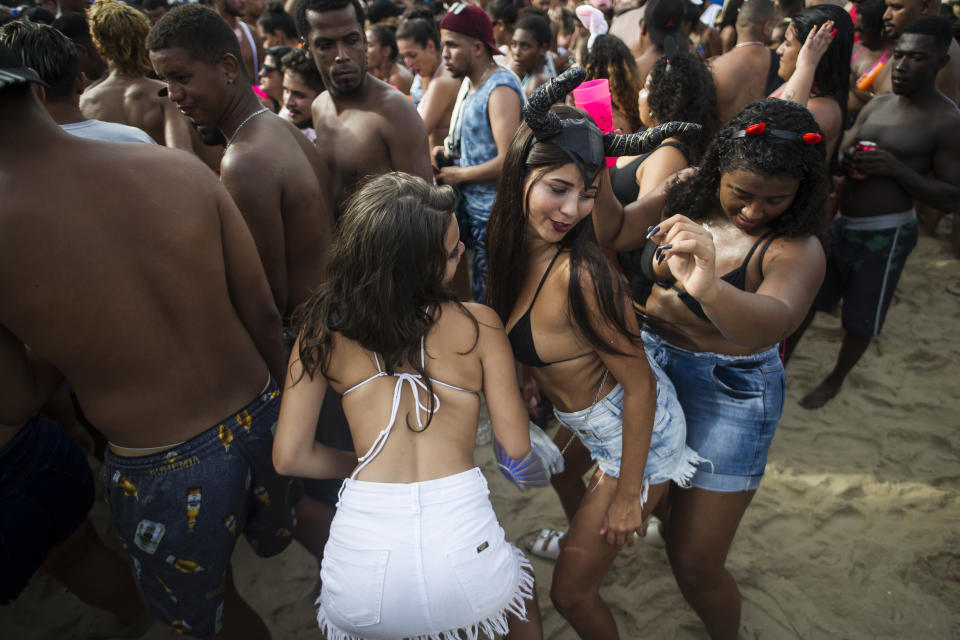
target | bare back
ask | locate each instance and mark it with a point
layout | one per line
(452, 357)
(740, 76)
(130, 100)
(285, 190)
(122, 280)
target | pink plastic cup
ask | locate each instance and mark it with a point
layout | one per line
(594, 98)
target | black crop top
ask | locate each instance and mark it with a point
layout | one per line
(624, 179)
(737, 277)
(521, 335)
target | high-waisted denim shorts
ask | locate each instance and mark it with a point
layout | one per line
(732, 405)
(600, 429)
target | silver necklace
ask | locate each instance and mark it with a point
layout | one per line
(245, 121)
(747, 44)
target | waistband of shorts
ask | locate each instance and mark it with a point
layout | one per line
(772, 353)
(454, 487)
(876, 223)
(583, 413)
(198, 445)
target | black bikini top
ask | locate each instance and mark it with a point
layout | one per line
(624, 179)
(521, 335)
(736, 277)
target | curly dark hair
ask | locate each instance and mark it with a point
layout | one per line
(507, 253)
(610, 58)
(303, 26)
(386, 268)
(685, 91)
(767, 156)
(197, 29)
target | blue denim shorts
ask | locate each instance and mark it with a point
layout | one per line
(46, 492)
(732, 405)
(600, 429)
(179, 512)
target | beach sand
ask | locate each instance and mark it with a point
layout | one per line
(855, 532)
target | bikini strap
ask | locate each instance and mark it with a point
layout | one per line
(544, 278)
(763, 251)
(753, 249)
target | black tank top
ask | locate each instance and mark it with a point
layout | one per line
(624, 179)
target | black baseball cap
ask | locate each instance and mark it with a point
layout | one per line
(665, 18)
(12, 70)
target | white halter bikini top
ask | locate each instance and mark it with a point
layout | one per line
(416, 383)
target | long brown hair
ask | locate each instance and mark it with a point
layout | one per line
(386, 269)
(507, 252)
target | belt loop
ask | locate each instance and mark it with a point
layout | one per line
(415, 496)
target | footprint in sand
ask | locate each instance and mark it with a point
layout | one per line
(843, 521)
(924, 360)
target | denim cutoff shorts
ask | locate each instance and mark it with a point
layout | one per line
(600, 429)
(732, 405)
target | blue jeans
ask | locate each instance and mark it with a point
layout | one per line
(732, 405)
(46, 493)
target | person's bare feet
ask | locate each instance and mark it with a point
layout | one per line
(820, 396)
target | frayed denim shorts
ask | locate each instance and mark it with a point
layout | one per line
(732, 405)
(600, 429)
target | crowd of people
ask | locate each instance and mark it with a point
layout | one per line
(292, 251)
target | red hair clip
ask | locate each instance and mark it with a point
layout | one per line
(760, 128)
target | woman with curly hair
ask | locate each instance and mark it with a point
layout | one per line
(610, 58)
(572, 325)
(751, 213)
(415, 549)
(677, 89)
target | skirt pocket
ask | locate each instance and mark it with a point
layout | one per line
(353, 583)
(487, 572)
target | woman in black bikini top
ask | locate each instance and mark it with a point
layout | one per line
(570, 318)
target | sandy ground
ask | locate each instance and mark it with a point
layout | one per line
(855, 532)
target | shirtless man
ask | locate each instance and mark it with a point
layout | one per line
(280, 182)
(898, 15)
(662, 19)
(917, 132)
(374, 128)
(128, 96)
(232, 12)
(747, 72)
(172, 328)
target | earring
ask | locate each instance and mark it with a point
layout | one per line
(229, 80)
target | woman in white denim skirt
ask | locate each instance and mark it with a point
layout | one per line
(415, 549)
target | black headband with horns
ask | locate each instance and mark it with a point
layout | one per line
(580, 138)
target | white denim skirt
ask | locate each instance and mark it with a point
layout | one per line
(425, 560)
